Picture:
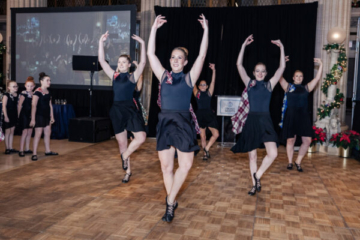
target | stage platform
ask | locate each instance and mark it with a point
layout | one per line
(79, 195)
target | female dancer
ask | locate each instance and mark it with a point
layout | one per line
(9, 108)
(175, 131)
(24, 112)
(204, 114)
(258, 129)
(42, 115)
(123, 113)
(295, 118)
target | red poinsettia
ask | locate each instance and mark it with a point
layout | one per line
(319, 136)
(346, 139)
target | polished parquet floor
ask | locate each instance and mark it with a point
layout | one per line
(79, 195)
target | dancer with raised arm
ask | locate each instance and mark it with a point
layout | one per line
(175, 129)
(295, 119)
(253, 118)
(204, 114)
(123, 113)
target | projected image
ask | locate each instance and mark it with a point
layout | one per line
(46, 42)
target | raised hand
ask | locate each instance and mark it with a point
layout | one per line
(212, 66)
(248, 40)
(277, 43)
(135, 63)
(287, 58)
(104, 36)
(318, 60)
(137, 38)
(159, 21)
(204, 22)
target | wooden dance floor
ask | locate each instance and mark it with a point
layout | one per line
(79, 195)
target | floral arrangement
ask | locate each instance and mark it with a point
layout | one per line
(319, 136)
(346, 139)
(333, 78)
(325, 109)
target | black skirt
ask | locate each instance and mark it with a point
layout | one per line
(125, 116)
(296, 122)
(176, 128)
(24, 119)
(206, 118)
(42, 121)
(257, 130)
(13, 120)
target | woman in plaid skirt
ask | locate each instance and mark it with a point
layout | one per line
(258, 130)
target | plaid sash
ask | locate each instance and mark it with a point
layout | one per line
(284, 107)
(169, 80)
(239, 119)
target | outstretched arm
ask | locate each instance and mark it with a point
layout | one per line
(284, 84)
(274, 80)
(140, 67)
(101, 55)
(212, 84)
(199, 63)
(155, 64)
(312, 84)
(239, 63)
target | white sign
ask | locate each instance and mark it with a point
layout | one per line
(227, 105)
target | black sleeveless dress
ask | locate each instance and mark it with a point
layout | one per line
(258, 127)
(297, 119)
(11, 109)
(42, 115)
(25, 113)
(176, 127)
(205, 116)
(123, 113)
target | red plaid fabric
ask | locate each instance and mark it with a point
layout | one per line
(169, 80)
(116, 74)
(239, 119)
(136, 104)
(198, 95)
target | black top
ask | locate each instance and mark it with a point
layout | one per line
(26, 106)
(43, 104)
(176, 96)
(260, 96)
(298, 98)
(11, 105)
(123, 86)
(204, 100)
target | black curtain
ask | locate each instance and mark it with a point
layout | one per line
(294, 25)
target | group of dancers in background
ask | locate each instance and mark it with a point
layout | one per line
(178, 124)
(27, 110)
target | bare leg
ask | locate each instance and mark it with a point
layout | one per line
(272, 152)
(122, 142)
(203, 137)
(7, 138)
(38, 132)
(212, 140)
(139, 138)
(253, 164)
(185, 163)
(47, 133)
(28, 138)
(290, 142)
(23, 139)
(167, 166)
(303, 149)
(11, 137)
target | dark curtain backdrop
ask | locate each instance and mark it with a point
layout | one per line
(294, 25)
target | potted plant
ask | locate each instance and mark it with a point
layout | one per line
(345, 141)
(319, 137)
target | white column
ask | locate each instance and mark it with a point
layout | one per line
(147, 19)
